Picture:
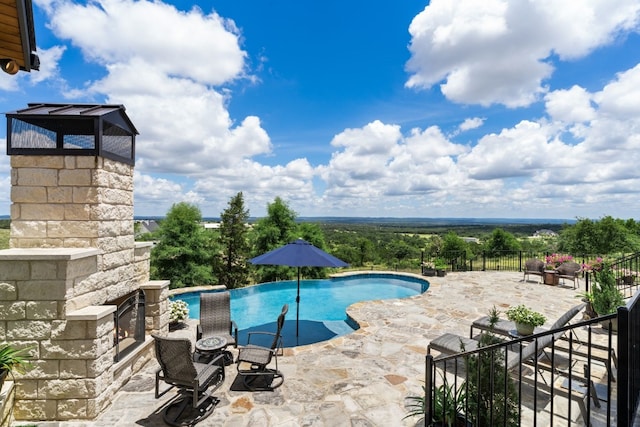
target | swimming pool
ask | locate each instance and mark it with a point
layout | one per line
(323, 303)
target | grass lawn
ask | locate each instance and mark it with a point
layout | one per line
(4, 238)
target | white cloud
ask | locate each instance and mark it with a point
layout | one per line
(499, 51)
(572, 105)
(190, 44)
(471, 123)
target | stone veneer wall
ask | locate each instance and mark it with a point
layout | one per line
(73, 250)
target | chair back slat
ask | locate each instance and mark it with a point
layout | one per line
(215, 313)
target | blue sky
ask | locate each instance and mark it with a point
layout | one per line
(449, 108)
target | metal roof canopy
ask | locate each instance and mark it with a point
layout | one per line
(72, 129)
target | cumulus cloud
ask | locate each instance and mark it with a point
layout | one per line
(499, 51)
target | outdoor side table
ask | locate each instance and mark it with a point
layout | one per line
(551, 278)
(210, 347)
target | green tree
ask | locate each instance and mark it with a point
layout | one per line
(184, 251)
(500, 242)
(605, 236)
(232, 269)
(276, 229)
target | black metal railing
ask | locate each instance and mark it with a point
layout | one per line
(628, 361)
(587, 375)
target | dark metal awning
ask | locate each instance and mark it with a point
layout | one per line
(72, 129)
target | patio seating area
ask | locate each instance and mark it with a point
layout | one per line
(359, 379)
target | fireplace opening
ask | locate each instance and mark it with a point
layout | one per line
(128, 332)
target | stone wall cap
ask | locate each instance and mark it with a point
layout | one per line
(155, 284)
(92, 312)
(143, 244)
(32, 254)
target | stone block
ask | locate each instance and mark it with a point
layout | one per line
(82, 268)
(72, 409)
(76, 212)
(41, 211)
(75, 177)
(69, 349)
(14, 270)
(59, 195)
(8, 291)
(35, 410)
(69, 330)
(42, 310)
(28, 329)
(65, 389)
(52, 162)
(43, 290)
(27, 194)
(13, 310)
(77, 243)
(85, 195)
(28, 389)
(35, 177)
(98, 366)
(73, 369)
(42, 369)
(86, 162)
(77, 229)
(44, 270)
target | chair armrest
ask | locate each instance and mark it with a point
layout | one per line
(198, 332)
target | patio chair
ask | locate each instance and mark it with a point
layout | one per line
(215, 317)
(254, 360)
(533, 267)
(569, 270)
(195, 381)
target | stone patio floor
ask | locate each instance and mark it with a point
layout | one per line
(361, 379)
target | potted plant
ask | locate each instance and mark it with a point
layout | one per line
(429, 268)
(448, 406)
(525, 319)
(12, 360)
(606, 295)
(441, 266)
(179, 312)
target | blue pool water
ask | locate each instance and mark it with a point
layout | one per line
(323, 303)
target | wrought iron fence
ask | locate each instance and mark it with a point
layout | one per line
(584, 375)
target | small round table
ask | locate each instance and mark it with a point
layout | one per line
(210, 347)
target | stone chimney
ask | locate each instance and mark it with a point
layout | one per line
(72, 254)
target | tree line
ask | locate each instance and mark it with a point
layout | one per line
(188, 254)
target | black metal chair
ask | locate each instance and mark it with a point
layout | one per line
(195, 381)
(254, 360)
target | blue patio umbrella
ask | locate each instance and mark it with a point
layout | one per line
(298, 253)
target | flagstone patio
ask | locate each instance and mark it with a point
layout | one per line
(361, 379)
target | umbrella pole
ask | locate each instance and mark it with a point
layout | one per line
(298, 303)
